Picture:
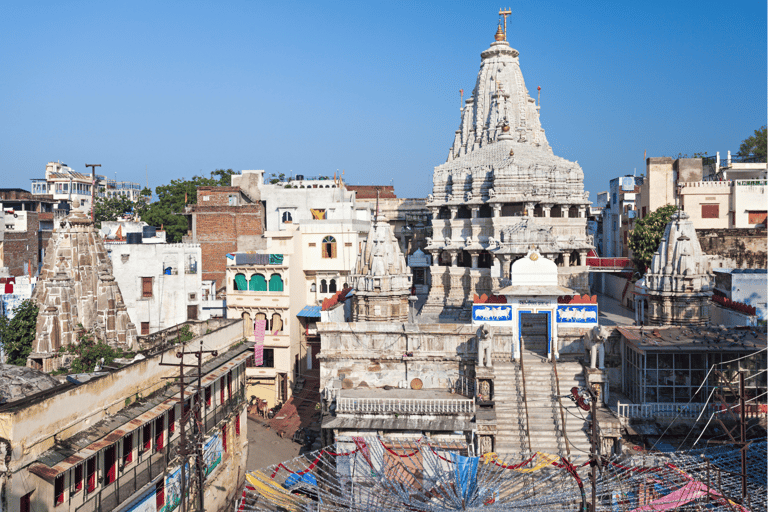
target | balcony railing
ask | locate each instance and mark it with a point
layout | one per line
(405, 405)
(651, 410)
(609, 263)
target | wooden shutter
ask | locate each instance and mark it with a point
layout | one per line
(757, 217)
(710, 211)
(146, 287)
(192, 312)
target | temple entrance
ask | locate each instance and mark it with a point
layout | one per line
(534, 332)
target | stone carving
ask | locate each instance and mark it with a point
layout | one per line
(486, 444)
(485, 389)
(430, 198)
(449, 197)
(491, 192)
(468, 196)
(594, 341)
(484, 346)
(468, 241)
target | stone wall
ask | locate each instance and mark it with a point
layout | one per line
(735, 248)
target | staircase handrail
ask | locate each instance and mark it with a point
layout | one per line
(525, 399)
(562, 412)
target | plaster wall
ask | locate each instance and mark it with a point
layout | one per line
(171, 294)
(728, 317)
(658, 188)
(32, 425)
(746, 198)
(694, 195)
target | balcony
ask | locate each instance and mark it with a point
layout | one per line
(394, 406)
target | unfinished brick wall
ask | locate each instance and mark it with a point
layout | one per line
(218, 227)
(22, 247)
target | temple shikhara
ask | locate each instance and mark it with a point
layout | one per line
(501, 191)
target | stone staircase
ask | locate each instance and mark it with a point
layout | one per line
(544, 419)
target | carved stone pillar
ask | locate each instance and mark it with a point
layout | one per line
(583, 258)
(474, 255)
(582, 211)
(454, 211)
(497, 210)
(503, 258)
(529, 208)
(545, 209)
(474, 212)
(454, 258)
(566, 259)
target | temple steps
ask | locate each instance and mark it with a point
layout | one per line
(544, 427)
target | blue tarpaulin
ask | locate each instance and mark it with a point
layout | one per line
(466, 475)
(310, 312)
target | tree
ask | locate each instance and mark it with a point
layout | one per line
(168, 210)
(644, 240)
(112, 208)
(18, 334)
(755, 145)
(89, 352)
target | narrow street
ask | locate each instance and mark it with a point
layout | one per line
(265, 447)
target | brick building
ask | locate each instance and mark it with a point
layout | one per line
(24, 211)
(224, 220)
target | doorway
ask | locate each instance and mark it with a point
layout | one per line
(534, 332)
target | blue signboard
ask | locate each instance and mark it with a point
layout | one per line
(577, 314)
(492, 312)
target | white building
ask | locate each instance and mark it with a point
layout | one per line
(621, 206)
(64, 183)
(161, 283)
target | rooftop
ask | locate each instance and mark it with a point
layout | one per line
(675, 338)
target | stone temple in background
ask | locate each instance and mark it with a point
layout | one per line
(76, 291)
(502, 192)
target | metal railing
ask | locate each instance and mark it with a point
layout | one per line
(620, 263)
(405, 405)
(650, 410)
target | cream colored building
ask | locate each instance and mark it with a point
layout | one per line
(303, 263)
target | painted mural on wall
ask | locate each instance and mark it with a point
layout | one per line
(493, 312)
(577, 314)
(212, 454)
(147, 503)
(173, 488)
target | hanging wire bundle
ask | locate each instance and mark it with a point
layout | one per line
(381, 475)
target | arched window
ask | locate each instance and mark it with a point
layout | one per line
(329, 247)
(323, 286)
(287, 217)
(332, 286)
(258, 283)
(240, 282)
(313, 287)
(247, 324)
(277, 323)
(262, 316)
(275, 283)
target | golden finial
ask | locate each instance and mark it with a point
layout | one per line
(499, 33)
(505, 12)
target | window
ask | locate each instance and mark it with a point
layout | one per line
(237, 425)
(317, 214)
(241, 283)
(275, 283)
(221, 390)
(313, 287)
(144, 328)
(269, 358)
(171, 421)
(78, 477)
(332, 286)
(710, 211)
(644, 210)
(757, 217)
(323, 286)
(232, 200)
(110, 463)
(229, 386)
(90, 474)
(277, 323)
(329, 247)
(224, 437)
(128, 449)
(258, 283)
(287, 219)
(146, 287)
(160, 494)
(192, 312)
(82, 202)
(159, 430)
(146, 436)
(58, 490)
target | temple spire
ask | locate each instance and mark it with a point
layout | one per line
(505, 12)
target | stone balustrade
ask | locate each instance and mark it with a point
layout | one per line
(420, 406)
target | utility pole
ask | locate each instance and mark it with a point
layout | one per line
(184, 450)
(93, 187)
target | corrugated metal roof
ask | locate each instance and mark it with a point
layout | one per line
(310, 312)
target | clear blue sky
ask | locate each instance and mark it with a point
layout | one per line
(183, 88)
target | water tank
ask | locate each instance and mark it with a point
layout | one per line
(149, 231)
(300, 177)
(133, 238)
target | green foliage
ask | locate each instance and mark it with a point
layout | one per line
(755, 145)
(277, 178)
(112, 208)
(644, 240)
(185, 334)
(89, 351)
(18, 334)
(172, 198)
(695, 155)
(146, 192)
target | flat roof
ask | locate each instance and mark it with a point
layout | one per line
(694, 339)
